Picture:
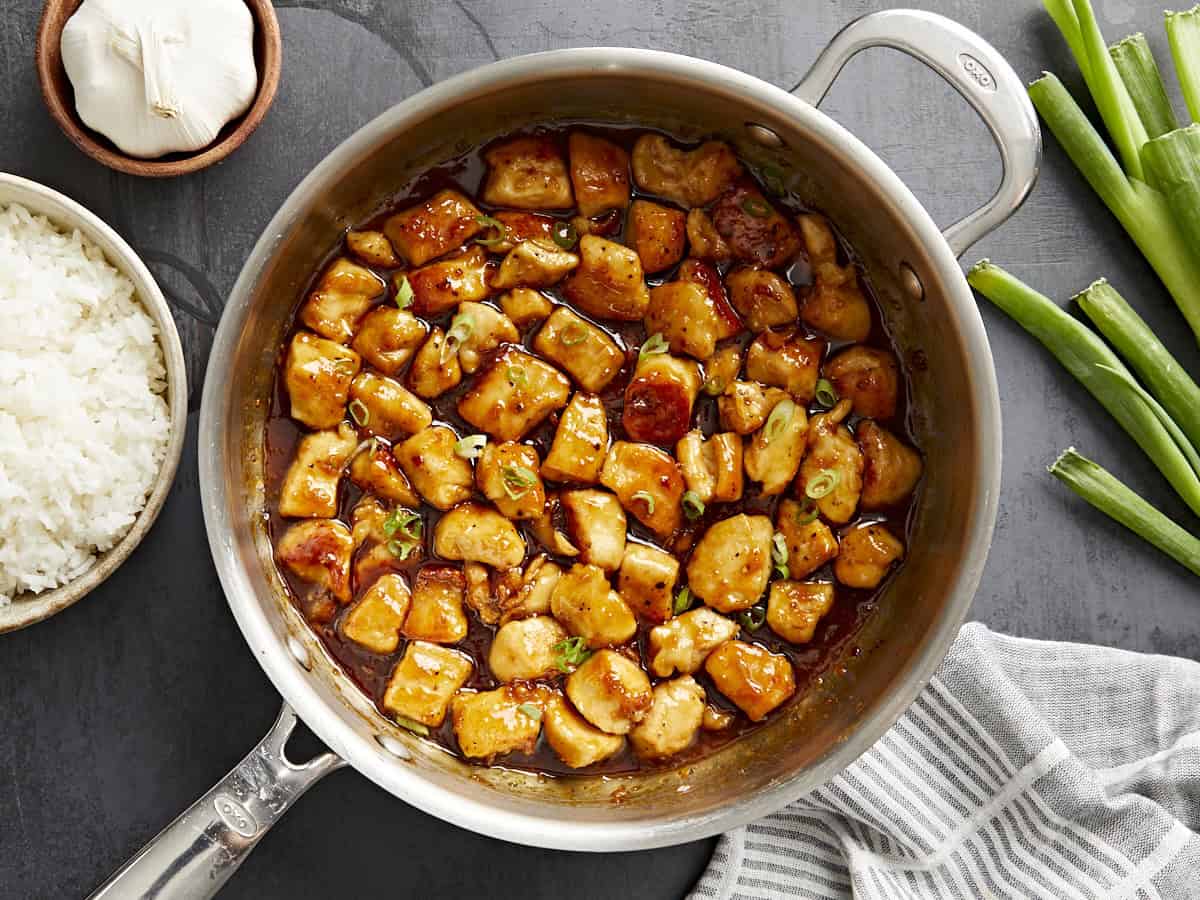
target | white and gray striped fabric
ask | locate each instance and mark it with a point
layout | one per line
(1025, 769)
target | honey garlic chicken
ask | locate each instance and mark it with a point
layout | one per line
(586, 449)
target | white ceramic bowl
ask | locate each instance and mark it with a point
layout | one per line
(25, 609)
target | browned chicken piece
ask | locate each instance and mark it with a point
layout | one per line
(473, 532)
(424, 681)
(684, 315)
(437, 614)
(439, 474)
(317, 375)
(835, 304)
(489, 328)
(659, 398)
(867, 553)
(388, 337)
(705, 274)
(341, 298)
(891, 468)
(647, 581)
(648, 483)
(505, 720)
(426, 231)
(810, 542)
(373, 248)
(519, 226)
(656, 233)
(376, 471)
(712, 467)
(745, 405)
(687, 177)
(596, 524)
(310, 488)
(716, 719)
(599, 173)
(377, 558)
(869, 377)
(730, 565)
(442, 285)
(587, 606)
(703, 238)
(318, 551)
(513, 395)
(523, 650)
(788, 360)
(525, 306)
(722, 369)
(507, 474)
(757, 233)
(385, 407)
(609, 283)
(674, 719)
(831, 474)
(546, 532)
(795, 607)
(587, 354)
(539, 263)
(580, 442)
(527, 173)
(479, 594)
(577, 743)
(683, 643)
(763, 298)
(436, 368)
(610, 691)
(773, 456)
(529, 595)
(755, 679)
(367, 521)
(374, 622)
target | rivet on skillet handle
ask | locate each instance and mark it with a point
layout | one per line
(977, 71)
(195, 855)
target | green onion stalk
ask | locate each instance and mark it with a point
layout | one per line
(1143, 80)
(1086, 356)
(1173, 161)
(1108, 494)
(1183, 34)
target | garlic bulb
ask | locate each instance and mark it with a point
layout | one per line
(160, 76)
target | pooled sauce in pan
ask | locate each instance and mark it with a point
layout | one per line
(836, 629)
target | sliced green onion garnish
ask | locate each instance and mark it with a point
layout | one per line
(714, 386)
(461, 327)
(646, 498)
(404, 293)
(402, 550)
(573, 334)
(359, 412)
(756, 207)
(753, 618)
(654, 346)
(772, 179)
(499, 229)
(565, 234)
(412, 725)
(404, 521)
(471, 446)
(517, 480)
(570, 653)
(683, 601)
(825, 393)
(822, 484)
(779, 555)
(779, 419)
(534, 712)
(516, 376)
(806, 512)
(693, 506)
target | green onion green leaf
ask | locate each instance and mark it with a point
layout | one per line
(756, 207)
(646, 498)
(825, 394)
(753, 618)
(570, 654)
(516, 376)
(654, 346)
(683, 601)
(404, 293)
(779, 419)
(693, 506)
(359, 412)
(565, 234)
(517, 480)
(412, 725)
(470, 446)
(499, 232)
(822, 484)
(779, 555)
(573, 334)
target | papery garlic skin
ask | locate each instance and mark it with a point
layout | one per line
(160, 76)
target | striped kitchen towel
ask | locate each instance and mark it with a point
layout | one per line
(1025, 769)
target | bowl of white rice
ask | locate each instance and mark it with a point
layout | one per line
(93, 401)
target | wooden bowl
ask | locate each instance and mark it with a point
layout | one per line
(60, 98)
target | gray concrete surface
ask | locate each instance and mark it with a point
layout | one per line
(118, 713)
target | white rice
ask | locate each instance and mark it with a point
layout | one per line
(83, 420)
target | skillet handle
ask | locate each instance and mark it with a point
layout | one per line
(977, 71)
(195, 855)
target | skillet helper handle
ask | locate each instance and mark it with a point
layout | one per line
(195, 855)
(977, 71)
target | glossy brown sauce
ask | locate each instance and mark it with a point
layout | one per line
(835, 634)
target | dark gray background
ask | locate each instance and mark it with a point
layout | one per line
(116, 714)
